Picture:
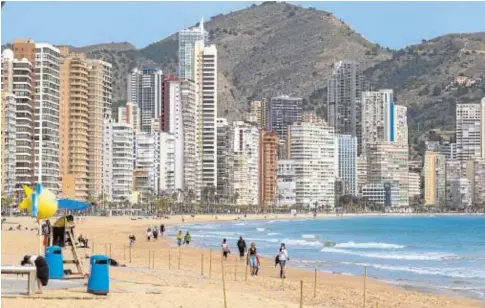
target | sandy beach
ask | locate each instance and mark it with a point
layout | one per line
(196, 280)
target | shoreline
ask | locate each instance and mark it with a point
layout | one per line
(334, 289)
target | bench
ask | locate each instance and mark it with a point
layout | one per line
(31, 271)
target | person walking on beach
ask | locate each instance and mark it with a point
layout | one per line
(42, 269)
(162, 229)
(241, 245)
(225, 249)
(253, 259)
(180, 237)
(149, 234)
(282, 258)
(132, 239)
(187, 238)
(155, 233)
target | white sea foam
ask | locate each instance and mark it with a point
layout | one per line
(370, 245)
(240, 224)
(261, 229)
(429, 256)
(273, 233)
(314, 236)
(302, 243)
(448, 272)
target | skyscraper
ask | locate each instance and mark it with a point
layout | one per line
(470, 131)
(268, 168)
(47, 116)
(434, 179)
(382, 120)
(347, 163)
(312, 147)
(187, 39)
(344, 96)
(145, 90)
(205, 77)
(282, 112)
(130, 114)
(225, 161)
(246, 147)
(121, 168)
(190, 115)
(257, 113)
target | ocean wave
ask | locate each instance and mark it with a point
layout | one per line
(448, 272)
(314, 236)
(261, 229)
(240, 224)
(302, 243)
(370, 245)
(429, 256)
(273, 233)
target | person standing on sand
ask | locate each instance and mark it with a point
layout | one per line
(225, 249)
(180, 237)
(162, 229)
(42, 269)
(187, 238)
(155, 233)
(149, 234)
(282, 258)
(132, 239)
(253, 259)
(241, 245)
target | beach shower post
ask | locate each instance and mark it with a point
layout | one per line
(365, 278)
(301, 293)
(315, 285)
(223, 283)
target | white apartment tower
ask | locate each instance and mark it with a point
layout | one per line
(122, 161)
(130, 114)
(470, 131)
(344, 95)
(47, 116)
(313, 149)
(205, 77)
(347, 162)
(246, 162)
(190, 116)
(145, 90)
(187, 39)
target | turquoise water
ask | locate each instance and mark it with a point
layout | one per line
(445, 253)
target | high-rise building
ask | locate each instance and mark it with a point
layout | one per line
(282, 112)
(145, 89)
(286, 194)
(190, 115)
(74, 125)
(107, 159)
(414, 184)
(313, 149)
(130, 114)
(460, 193)
(344, 97)
(387, 164)
(454, 170)
(225, 161)
(312, 117)
(118, 168)
(434, 179)
(382, 120)
(475, 173)
(165, 161)
(470, 131)
(47, 116)
(258, 113)
(187, 39)
(23, 68)
(246, 148)
(347, 163)
(99, 109)
(205, 77)
(268, 168)
(361, 172)
(145, 171)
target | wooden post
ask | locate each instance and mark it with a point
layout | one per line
(301, 293)
(149, 258)
(202, 264)
(235, 270)
(110, 250)
(92, 249)
(315, 285)
(179, 260)
(153, 260)
(124, 252)
(130, 254)
(246, 272)
(223, 283)
(365, 278)
(169, 259)
(105, 249)
(210, 263)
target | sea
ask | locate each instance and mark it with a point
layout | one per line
(439, 254)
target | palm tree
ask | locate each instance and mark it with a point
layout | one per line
(162, 203)
(235, 197)
(191, 198)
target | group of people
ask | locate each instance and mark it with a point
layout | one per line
(181, 239)
(155, 232)
(252, 257)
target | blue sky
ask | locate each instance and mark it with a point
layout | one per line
(391, 24)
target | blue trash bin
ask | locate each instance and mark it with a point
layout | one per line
(98, 282)
(55, 261)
